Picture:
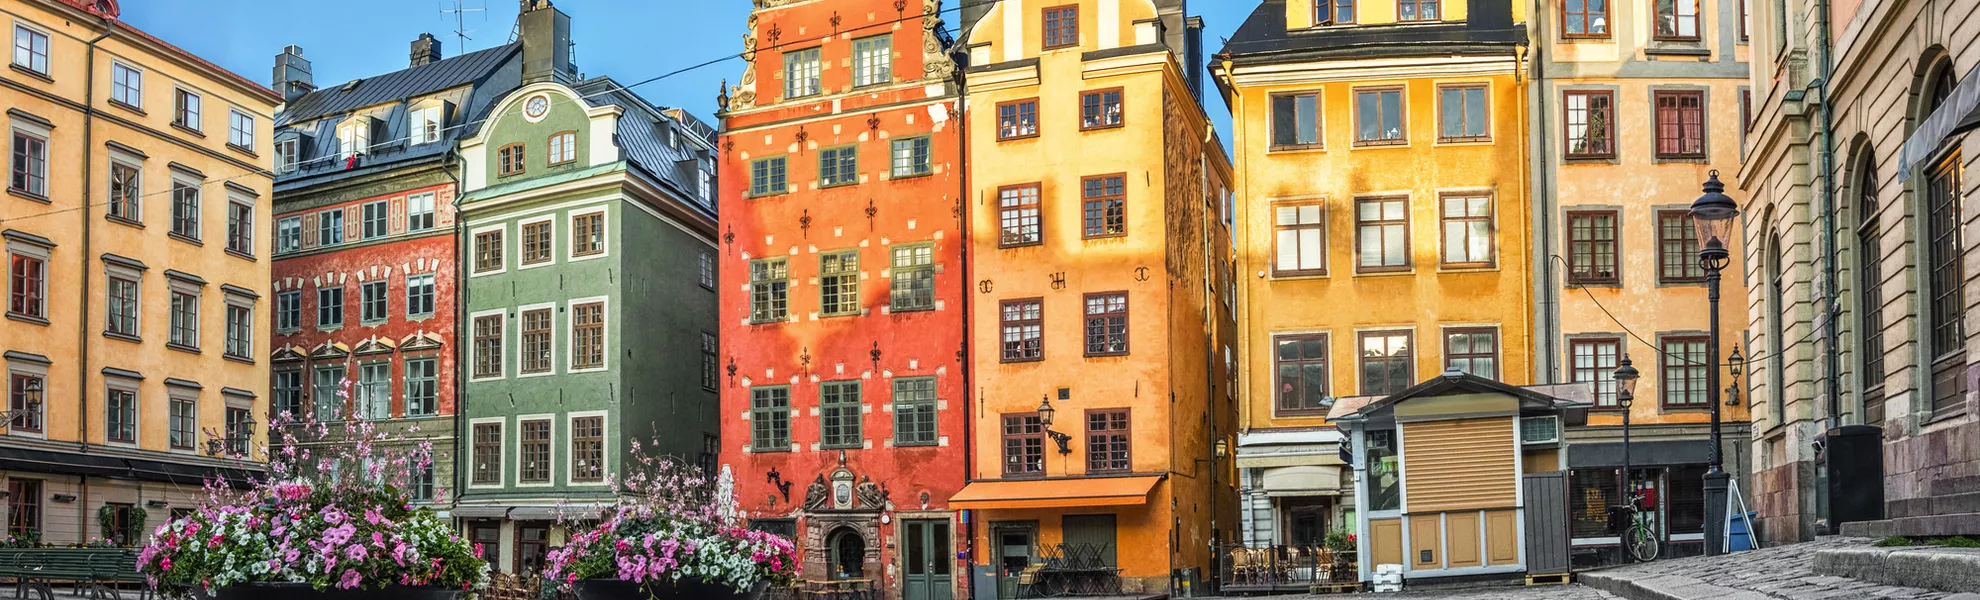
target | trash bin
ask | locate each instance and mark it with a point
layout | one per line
(1739, 539)
(1854, 458)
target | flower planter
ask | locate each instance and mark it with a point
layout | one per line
(302, 591)
(613, 589)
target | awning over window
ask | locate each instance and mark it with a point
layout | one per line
(1303, 481)
(1055, 493)
(473, 511)
(1960, 112)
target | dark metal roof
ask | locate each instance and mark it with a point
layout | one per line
(643, 136)
(335, 98)
(1263, 37)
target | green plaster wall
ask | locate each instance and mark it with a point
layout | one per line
(565, 114)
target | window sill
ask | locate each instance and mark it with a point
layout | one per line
(769, 321)
(122, 221)
(1464, 141)
(1685, 49)
(243, 150)
(122, 105)
(184, 238)
(859, 446)
(1298, 275)
(1300, 414)
(1605, 283)
(29, 195)
(1588, 159)
(1942, 416)
(12, 316)
(894, 310)
(238, 358)
(181, 127)
(899, 176)
(762, 450)
(1386, 272)
(1467, 267)
(329, 328)
(901, 444)
(824, 186)
(1014, 138)
(123, 336)
(1084, 127)
(1022, 245)
(1377, 144)
(755, 195)
(1103, 236)
(240, 255)
(1586, 38)
(1105, 354)
(1295, 148)
(288, 330)
(32, 73)
(1021, 360)
(182, 347)
(1698, 159)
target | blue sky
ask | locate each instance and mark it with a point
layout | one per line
(630, 40)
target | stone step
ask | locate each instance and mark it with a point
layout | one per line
(1929, 567)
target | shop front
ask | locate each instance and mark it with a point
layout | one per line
(1072, 536)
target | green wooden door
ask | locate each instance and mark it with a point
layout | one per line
(930, 561)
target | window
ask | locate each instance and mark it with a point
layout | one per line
(1106, 324)
(563, 148)
(1061, 26)
(1677, 256)
(185, 320)
(25, 406)
(419, 295)
(839, 409)
(24, 495)
(488, 346)
(509, 160)
(240, 227)
(536, 242)
(769, 290)
(288, 234)
(240, 332)
(1299, 240)
(535, 341)
(1416, 10)
(1024, 445)
(1333, 12)
(1594, 361)
(1301, 361)
(587, 449)
(354, 138)
(706, 276)
(374, 391)
(911, 156)
(1023, 326)
(236, 430)
(1296, 121)
(1387, 363)
(185, 109)
(426, 123)
(1585, 19)
(1462, 114)
(1591, 129)
(873, 60)
(1103, 201)
(913, 279)
(1468, 231)
(1382, 226)
(587, 335)
(419, 212)
(329, 403)
(766, 176)
(421, 484)
(1745, 19)
(1680, 124)
(288, 155)
(838, 166)
(588, 234)
(1107, 441)
(709, 380)
(1017, 119)
(838, 289)
(288, 390)
(372, 301)
(329, 307)
(373, 224)
(330, 227)
(1100, 109)
(1870, 304)
(488, 453)
(1378, 117)
(1677, 19)
(185, 209)
(1472, 350)
(29, 172)
(120, 416)
(28, 286)
(1018, 216)
(31, 49)
(1947, 281)
(533, 459)
(240, 130)
(801, 73)
(770, 418)
(1592, 247)
(914, 411)
(126, 85)
(422, 387)
(126, 191)
(1684, 371)
(1590, 507)
(488, 251)
(122, 318)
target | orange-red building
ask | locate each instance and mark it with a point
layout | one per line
(843, 291)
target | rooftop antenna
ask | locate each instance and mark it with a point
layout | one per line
(460, 22)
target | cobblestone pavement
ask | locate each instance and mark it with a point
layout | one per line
(1473, 592)
(1780, 572)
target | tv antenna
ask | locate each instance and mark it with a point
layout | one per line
(460, 21)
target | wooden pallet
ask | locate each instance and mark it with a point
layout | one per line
(1335, 588)
(1548, 579)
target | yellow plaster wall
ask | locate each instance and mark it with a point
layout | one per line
(1299, 13)
(1092, 16)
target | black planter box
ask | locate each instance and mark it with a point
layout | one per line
(613, 589)
(302, 591)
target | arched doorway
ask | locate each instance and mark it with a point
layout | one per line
(848, 554)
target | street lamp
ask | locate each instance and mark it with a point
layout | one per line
(1626, 376)
(30, 408)
(1713, 214)
(1736, 363)
(1045, 412)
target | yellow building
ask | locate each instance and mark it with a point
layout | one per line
(1382, 228)
(1095, 185)
(1636, 103)
(135, 221)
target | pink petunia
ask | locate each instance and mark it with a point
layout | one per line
(350, 579)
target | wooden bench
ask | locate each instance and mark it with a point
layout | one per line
(93, 571)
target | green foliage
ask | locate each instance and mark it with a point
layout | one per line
(1958, 541)
(1896, 540)
(1340, 541)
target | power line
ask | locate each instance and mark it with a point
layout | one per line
(1752, 358)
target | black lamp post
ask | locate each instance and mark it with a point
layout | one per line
(1713, 214)
(30, 410)
(1626, 376)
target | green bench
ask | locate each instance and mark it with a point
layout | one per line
(95, 572)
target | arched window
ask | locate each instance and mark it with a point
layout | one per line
(1945, 277)
(1776, 328)
(848, 554)
(1870, 296)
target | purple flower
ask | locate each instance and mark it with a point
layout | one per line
(337, 536)
(350, 579)
(333, 515)
(356, 552)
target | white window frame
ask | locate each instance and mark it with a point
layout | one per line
(604, 224)
(570, 334)
(339, 229)
(501, 361)
(246, 229)
(384, 220)
(810, 71)
(473, 257)
(240, 129)
(517, 332)
(422, 204)
(353, 137)
(520, 240)
(502, 426)
(343, 307)
(46, 43)
(297, 294)
(174, 287)
(432, 289)
(873, 68)
(118, 67)
(34, 251)
(605, 441)
(114, 271)
(134, 163)
(282, 240)
(118, 383)
(198, 204)
(361, 397)
(179, 393)
(30, 369)
(405, 386)
(35, 130)
(196, 104)
(229, 302)
(364, 301)
(288, 155)
(515, 468)
(419, 120)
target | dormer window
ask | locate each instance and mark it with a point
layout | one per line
(1333, 12)
(354, 137)
(1418, 10)
(288, 154)
(427, 122)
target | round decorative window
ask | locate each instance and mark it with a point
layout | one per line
(536, 107)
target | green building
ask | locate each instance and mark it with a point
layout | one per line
(590, 297)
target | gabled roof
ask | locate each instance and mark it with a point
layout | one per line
(335, 98)
(1263, 37)
(1550, 397)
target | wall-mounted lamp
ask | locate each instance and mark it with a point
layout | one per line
(1045, 413)
(63, 497)
(156, 503)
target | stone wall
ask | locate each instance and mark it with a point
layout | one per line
(1932, 482)
(1782, 497)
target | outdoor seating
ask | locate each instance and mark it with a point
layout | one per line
(95, 572)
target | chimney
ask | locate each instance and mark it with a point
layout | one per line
(1193, 54)
(1490, 15)
(546, 39)
(425, 50)
(292, 74)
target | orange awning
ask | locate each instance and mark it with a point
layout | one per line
(1055, 493)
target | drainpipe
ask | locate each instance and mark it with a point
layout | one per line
(82, 299)
(461, 256)
(1547, 321)
(968, 351)
(1240, 181)
(1828, 212)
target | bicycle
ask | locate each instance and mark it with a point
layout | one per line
(1640, 538)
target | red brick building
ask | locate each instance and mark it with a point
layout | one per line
(842, 291)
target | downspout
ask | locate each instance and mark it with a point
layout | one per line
(1547, 318)
(1828, 213)
(1240, 181)
(82, 332)
(461, 257)
(968, 351)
